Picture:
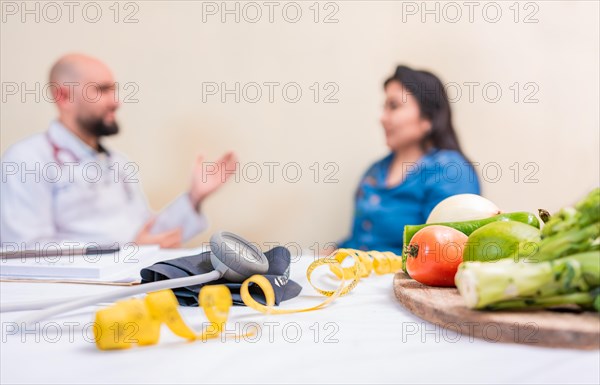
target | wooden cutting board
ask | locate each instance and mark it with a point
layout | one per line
(445, 307)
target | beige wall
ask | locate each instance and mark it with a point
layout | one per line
(170, 52)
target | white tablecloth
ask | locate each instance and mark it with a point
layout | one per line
(363, 337)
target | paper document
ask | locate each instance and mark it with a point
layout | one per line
(120, 266)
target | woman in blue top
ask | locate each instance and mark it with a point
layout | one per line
(425, 166)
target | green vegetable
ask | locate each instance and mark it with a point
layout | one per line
(585, 300)
(467, 227)
(572, 230)
(482, 284)
(501, 239)
(575, 240)
(585, 212)
(564, 268)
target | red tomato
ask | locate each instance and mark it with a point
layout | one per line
(433, 255)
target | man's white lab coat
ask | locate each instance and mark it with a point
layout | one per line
(56, 188)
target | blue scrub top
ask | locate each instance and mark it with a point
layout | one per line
(381, 212)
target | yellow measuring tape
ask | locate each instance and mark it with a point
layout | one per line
(138, 321)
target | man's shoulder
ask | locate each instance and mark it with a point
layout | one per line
(33, 148)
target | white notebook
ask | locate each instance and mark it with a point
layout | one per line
(121, 266)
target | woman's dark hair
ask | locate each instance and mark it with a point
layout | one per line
(433, 103)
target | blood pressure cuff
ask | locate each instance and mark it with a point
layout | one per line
(278, 275)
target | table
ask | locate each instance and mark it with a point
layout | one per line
(365, 337)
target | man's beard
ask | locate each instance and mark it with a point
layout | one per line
(97, 127)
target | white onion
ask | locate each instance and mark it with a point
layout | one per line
(462, 207)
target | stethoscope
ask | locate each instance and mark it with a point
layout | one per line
(56, 153)
(232, 258)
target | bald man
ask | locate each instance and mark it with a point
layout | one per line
(64, 184)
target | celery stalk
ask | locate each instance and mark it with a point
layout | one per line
(485, 283)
